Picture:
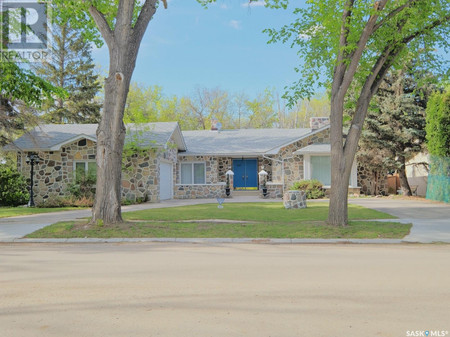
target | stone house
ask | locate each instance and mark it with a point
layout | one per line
(182, 164)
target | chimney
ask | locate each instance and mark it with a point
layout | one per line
(318, 122)
(214, 124)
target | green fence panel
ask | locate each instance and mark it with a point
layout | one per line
(438, 187)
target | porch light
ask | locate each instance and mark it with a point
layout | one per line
(229, 174)
(263, 177)
(263, 173)
(32, 159)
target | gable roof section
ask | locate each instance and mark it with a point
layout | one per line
(51, 137)
(315, 149)
(242, 142)
(158, 133)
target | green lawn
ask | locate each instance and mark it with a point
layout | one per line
(267, 212)
(249, 220)
(18, 211)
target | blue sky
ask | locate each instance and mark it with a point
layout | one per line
(187, 46)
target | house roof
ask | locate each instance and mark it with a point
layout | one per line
(237, 143)
(314, 149)
(242, 142)
(51, 137)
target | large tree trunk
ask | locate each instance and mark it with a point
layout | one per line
(123, 44)
(110, 141)
(337, 214)
(406, 189)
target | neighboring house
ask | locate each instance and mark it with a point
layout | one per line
(417, 173)
(181, 164)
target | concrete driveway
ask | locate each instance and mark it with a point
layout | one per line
(178, 290)
(430, 219)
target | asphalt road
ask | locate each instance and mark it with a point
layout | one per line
(162, 289)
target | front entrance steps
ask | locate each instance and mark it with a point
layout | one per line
(251, 193)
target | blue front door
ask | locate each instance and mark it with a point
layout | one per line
(245, 173)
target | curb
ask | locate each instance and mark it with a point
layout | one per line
(210, 240)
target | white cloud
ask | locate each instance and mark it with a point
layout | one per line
(235, 24)
(223, 6)
(259, 3)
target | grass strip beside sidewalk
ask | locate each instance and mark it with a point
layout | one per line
(240, 220)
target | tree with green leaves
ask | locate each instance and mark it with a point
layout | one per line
(438, 123)
(21, 92)
(356, 49)
(143, 103)
(121, 24)
(438, 142)
(262, 113)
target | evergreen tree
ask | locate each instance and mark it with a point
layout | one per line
(72, 69)
(395, 124)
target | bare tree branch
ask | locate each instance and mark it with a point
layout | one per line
(394, 13)
(147, 12)
(361, 45)
(339, 69)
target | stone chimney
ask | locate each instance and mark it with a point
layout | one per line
(215, 125)
(318, 122)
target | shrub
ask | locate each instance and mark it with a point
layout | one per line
(13, 187)
(83, 187)
(313, 188)
(71, 201)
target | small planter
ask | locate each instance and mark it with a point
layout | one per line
(294, 199)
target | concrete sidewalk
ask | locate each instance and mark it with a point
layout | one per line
(431, 222)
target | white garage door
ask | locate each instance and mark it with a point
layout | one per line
(165, 181)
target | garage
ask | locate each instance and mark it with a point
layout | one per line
(166, 181)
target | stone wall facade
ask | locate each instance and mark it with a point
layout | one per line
(56, 172)
(141, 173)
(215, 178)
(293, 165)
(216, 167)
(200, 191)
(274, 190)
(372, 183)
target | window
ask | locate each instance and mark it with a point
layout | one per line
(193, 173)
(321, 169)
(83, 168)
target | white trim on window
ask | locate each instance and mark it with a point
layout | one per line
(307, 169)
(193, 173)
(86, 165)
